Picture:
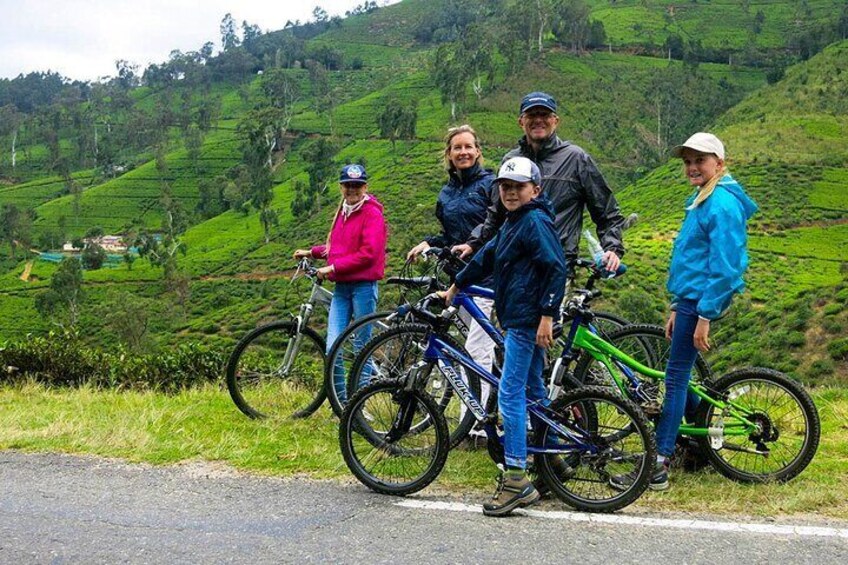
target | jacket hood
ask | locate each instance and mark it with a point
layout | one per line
(540, 203)
(730, 185)
(372, 201)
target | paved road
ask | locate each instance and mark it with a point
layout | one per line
(64, 509)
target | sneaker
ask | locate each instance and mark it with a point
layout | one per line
(509, 495)
(659, 480)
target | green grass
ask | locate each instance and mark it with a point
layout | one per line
(204, 424)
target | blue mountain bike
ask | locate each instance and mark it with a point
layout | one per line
(395, 439)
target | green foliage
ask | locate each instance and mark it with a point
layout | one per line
(61, 302)
(57, 360)
(397, 120)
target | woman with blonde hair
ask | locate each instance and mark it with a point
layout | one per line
(460, 208)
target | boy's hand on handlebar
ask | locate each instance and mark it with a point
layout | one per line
(545, 332)
(417, 250)
(463, 250)
(301, 253)
(611, 261)
(702, 335)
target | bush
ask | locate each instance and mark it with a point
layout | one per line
(838, 349)
(64, 361)
(820, 368)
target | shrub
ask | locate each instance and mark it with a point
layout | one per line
(838, 349)
(820, 368)
(63, 361)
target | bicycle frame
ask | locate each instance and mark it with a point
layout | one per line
(318, 296)
(623, 369)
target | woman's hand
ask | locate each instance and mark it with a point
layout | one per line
(448, 294)
(702, 334)
(463, 250)
(545, 332)
(301, 253)
(417, 250)
(669, 325)
(324, 272)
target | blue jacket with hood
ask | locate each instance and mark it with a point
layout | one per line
(528, 264)
(711, 251)
(462, 205)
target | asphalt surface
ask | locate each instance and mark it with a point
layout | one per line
(67, 509)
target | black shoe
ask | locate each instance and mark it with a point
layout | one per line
(509, 495)
(659, 480)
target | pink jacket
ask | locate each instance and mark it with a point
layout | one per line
(357, 245)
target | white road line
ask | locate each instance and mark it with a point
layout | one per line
(772, 529)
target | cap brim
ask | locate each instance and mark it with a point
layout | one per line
(540, 105)
(514, 177)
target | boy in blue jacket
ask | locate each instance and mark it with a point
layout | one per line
(529, 271)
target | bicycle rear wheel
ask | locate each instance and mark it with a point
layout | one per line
(394, 352)
(381, 445)
(343, 352)
(276, 372)
(788, 427)
(611, 436)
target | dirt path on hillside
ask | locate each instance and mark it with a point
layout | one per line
(27, 271)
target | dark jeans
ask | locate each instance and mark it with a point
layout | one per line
(677, 373)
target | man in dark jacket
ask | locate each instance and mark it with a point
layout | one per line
(570, 180)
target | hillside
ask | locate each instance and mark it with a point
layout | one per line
(786, 143)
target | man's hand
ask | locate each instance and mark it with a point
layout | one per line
(417, 250)
(301, 253)
(463, 250)
(324, 272)
(611, 261)
(545, 332)
(702, 334)
(669, 325)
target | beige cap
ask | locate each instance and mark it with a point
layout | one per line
(703, 143)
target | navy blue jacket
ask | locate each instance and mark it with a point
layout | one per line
(528, 263)
(461, 205)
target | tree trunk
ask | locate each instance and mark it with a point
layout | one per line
(14, 153)
(453, 110)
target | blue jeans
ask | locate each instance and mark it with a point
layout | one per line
(521, 380)
(681, 359)
(351, 300)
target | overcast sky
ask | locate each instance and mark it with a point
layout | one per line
(82, 39)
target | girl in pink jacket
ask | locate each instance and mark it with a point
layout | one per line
(356, 259)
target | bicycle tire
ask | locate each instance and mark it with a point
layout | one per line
(619, 441)
(795, 417)
(395, 362)
(380, 402)
(647, 344)
(254, 384)
(343, 352)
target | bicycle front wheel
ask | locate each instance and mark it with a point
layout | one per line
(343, 352)
(394, 352)
(274, 371)
(610, 437)
(380, 445)
(787, 427)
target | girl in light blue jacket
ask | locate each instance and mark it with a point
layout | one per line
(709, 257)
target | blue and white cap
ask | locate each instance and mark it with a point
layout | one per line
(353, 174)
(520, 169)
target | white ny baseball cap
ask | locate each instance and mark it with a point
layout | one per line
(703, 143)
(520, 169)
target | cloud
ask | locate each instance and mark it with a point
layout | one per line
(82, 39)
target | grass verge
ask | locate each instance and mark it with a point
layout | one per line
(204, 424)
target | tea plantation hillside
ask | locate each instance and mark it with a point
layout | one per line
(786, 142)
(787, 145)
